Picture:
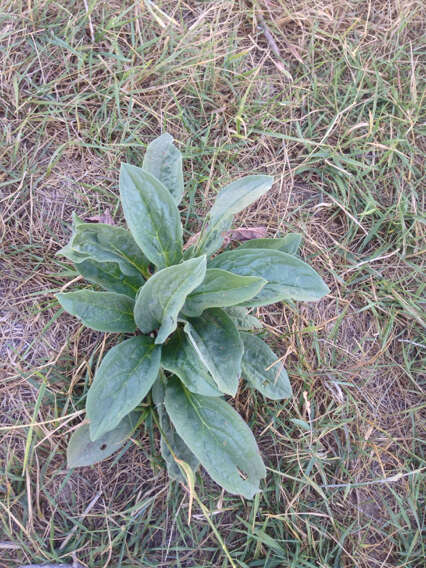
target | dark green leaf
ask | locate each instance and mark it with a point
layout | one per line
(261, 370)
(180, 357)
(170, 440)
(219, 289)
(289, 244)
(289, 278)
(219, 346)
(219, 438)
(124, 377)
(152, 216)
(160, 300)
(109, 276)
(103, 311)
(242, 319)
(82, 451)
(164, 161)
(106, 243)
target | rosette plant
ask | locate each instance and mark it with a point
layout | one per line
(186, 310)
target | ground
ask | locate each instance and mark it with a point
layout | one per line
(325, 96)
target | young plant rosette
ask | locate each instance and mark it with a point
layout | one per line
(188, 315)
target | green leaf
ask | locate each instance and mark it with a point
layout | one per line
(289, 278)
(180, 357)
(218, 437)
(160, 300)
(219, 289)
(152, 216)
(109, 276)
(211, 239)
(82, 451)
(124, 378)
(164, 161)
(259, 369)
(219, 346)
(105, 243)
(242, 319)
(232, 199)
(170, 441)
(238, 195)
(102, 311)
(289, 244)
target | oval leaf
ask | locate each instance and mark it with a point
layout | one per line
(218, 437)
(109, 276)
(219, 346)
(232, 199)
(124, 378)
(82, 451)
(289, 244)
(160, 300)
(107, 243)
(238, 195)
(289, 278)
(152, 216)
(221, 288)
(170, 441)
(102, 311)
(259, 369)
(164, 161)
(180, 357)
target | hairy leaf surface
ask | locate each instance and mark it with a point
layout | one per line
(124, 377)
(152, 216)
(260, 371)
(102, 311)
(180, 357)
(160, 300)
(82, 451)
(289, 278)
(164, 161)
(219, 346)
(170, 440)
(289, 244)
(218, 437)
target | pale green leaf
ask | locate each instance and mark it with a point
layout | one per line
(152, 216)
(289, 244)
(102, 311)
(164, 161)
(82, 451)
(238, 195)
(262, 369)
(219, 438)
(242, 319)
(219, 346)
(170, 441)
(122, 381)
(288, 277)
(160, 300)
(211, 238)
(219, 289)
(180, 357)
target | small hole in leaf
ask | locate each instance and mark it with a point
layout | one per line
(103, 447)
(243, 475)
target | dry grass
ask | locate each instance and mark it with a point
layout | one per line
(340, 129)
